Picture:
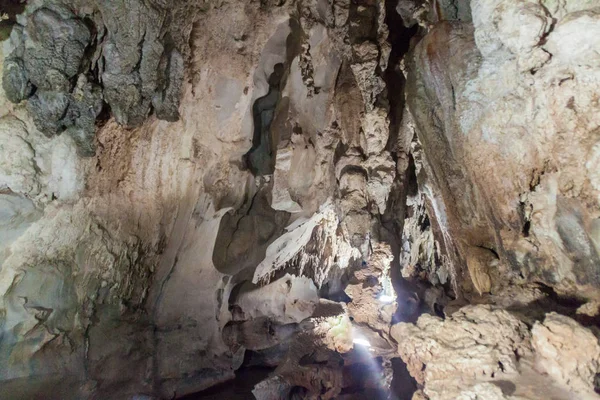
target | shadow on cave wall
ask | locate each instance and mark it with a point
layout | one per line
(260, 159)
(245, 233)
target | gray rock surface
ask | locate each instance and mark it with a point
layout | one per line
(72, 66)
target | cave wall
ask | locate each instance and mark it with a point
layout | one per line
(192, 185)
(508, 154)
(134, 263)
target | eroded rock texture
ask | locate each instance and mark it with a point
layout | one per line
(497, 98)
(480, 352)
(70, 58)
(329, 199)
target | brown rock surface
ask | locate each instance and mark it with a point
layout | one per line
(288, 184)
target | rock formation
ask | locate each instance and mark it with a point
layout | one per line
(54, 53)
(300, 199)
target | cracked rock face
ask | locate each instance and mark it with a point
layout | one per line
(393, 199)
(474, 343)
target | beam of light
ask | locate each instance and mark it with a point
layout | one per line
(368, 356)
(361, 342)
(386, 298)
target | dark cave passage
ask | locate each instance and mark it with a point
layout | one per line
(239, 388)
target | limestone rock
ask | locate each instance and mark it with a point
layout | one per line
(53, 45)
(472, 97)
(257, 334)
(18, 171)
(54, 41)
(18, 213)
(286, 300)
(272, 388)
(483, 391)
(314, 176)
(46, 293)
(367, 287)
(15, 81)
(484, 353)
(474, 343)
(35, 166)
(567, 351)
(296, 249)
(479, 263)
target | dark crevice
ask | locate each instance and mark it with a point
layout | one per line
(403, 384)
(244, 234)
(260, 159)
(439, 310)
(408, 298)
(363, 24)
(236, 291)
(526, 228)
(238, 388)
(87, 62)
(399, 38)
(10, 8)
(490, 250)
(354, 169)
(563, 301)
(553, 302)
(412, 186)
